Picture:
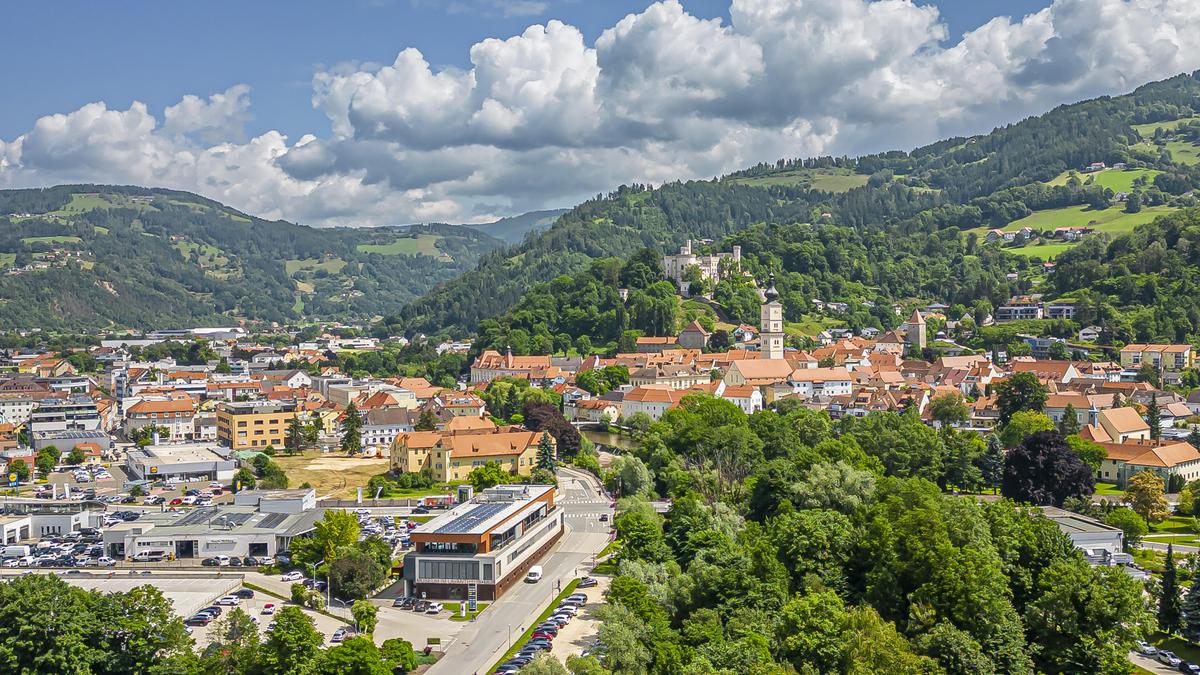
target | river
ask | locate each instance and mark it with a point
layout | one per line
(608, 440)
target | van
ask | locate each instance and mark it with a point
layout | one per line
(149, 556)
(14, 551)
(535, 575)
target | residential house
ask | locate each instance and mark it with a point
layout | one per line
(454, 456)
(176, 414)
(381, 426)
(746, 397)
(693, 336)
(654, 400)
(1117, 425)
(1165, 459)
(1169, 360)
(491, 364)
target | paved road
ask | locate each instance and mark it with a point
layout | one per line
(1162, 546)
(484, 641)
(1149, 663)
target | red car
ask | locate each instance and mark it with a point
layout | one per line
(176, 502)
(540, 634)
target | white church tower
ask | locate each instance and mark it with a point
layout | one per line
(771, 323)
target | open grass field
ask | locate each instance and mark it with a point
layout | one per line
(1173, 525)
(811, 325)
(1184, 152)
(331, 474)
(422, 244)
(1109, 489)
(51, 240)
(209, 255)
(7, 259)
(1147, 130)
(1043, 251)
(1117, 181)
(333, 265)
(830, 180)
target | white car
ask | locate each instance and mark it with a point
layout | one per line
(292, 576)
(1145, 648)
(189, 500)
(215, 484)
(229, 600)
(435, 608)
(11, 562)
(222, 561)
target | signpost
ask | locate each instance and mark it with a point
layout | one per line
(472, 596)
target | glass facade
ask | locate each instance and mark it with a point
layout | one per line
(449, 569)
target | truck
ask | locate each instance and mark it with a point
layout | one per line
(149, 556)
(535, 575)
(15, 551)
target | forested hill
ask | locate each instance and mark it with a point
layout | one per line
(78, 257)
(941, 198)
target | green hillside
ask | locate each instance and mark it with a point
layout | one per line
(85, 257)
(890, 225)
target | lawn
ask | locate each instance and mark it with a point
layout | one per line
(1113, 220)
(1109, 489)
(1117, 181)
(1043, 251)
(811, 325)
(332, 265)
(1147, 130)
(1184, 152)
(1182, 648)
(1173, 525)
(7, 259)
(830, 180)
(517, 643)
(333, 474)
(51, 240)
(454, 607)
(1176, 539)
(422, 244)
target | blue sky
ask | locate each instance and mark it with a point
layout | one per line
(374, 112)
(156, 51)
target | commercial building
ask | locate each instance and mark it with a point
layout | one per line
(258, 524)
(26, 519)
(254, 424)
(66, 441)
(482, 547)
(181, 462)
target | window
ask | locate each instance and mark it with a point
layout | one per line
(446, 569)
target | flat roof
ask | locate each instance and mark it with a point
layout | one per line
(233, 520)
(485, 511)
(178, 454)
(1074, 523)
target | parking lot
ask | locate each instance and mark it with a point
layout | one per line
(187, 594)
(325, 625)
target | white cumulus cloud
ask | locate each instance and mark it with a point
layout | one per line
(545, 118)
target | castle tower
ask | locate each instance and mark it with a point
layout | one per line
(771, 323)
(914, 331)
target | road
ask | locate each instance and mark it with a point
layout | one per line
(1162, 546)
(1149, 663)
(484, 641)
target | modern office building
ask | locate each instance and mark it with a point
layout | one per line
(77, 412)
(482, 547)
(254, 424)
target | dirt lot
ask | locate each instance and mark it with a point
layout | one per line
(331, 474)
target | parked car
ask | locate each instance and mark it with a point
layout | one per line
(244, 593)
(339, 635)
(105, 561)
(175, 502)
(420, 510)
(229, 600)
(210, 562)
(1146, 649)
(434, 608)
(588, 582)
(268, 608)
(1189, 667)
(542, 634)
(604, 517)
(1169, 658)
(198, 620)
(292, 576)
(235, 561)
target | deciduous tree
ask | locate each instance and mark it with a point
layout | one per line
(1044, 470)
(1145, 493)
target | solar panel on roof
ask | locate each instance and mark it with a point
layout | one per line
(471, 519)
(272, 520)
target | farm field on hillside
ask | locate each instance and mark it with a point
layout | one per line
(1117, 181)
(333, 265)
(830, 180)
(1147, 130)
(423, 244)
(1184, 152)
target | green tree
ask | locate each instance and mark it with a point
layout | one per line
(1154, 417)
(46, 459)
(1044, 470)
(629, 476)
(1149, 373)
(77, 456)
(293, 442)
(1021, 391)
(292, 646)
(355, 573)
(1132, 526)
(544, 664)
(488, 475)
(234, 644)
(1069, 424)
(137, 491)
(223, 367)
(991, 464)
(949, 409)
(1086, 619)
(1092, 453)
(545, 453)
(398, 654)
(245, 478)
(1170, 612)
(1191, 612)
(365, 616)
(639, 423)
(427, 421)
(1144, 492)
(35, 640)
(1022, 424)
(142, 629)
(336, 530)
(20, 469)
(355, 656)
(351, 430)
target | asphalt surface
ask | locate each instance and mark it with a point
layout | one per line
(485, 640)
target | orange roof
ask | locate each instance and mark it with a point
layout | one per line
(460, 423)
(1149, 453)
(1170, 349)
(494, 360)
(652, 394)
(492, 445)
(738, 392)
(419, 439)
(147, 407)
(1124, 420)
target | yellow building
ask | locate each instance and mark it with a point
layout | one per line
(454, 456)
(254, 424)
(1169, 360)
